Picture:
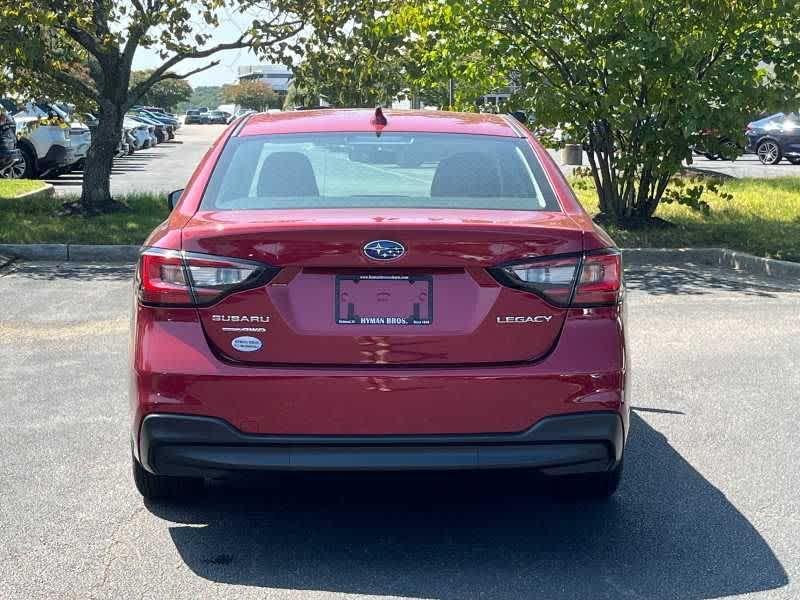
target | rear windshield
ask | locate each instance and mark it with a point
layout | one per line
(398, 170)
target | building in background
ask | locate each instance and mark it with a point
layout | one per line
(277, 76)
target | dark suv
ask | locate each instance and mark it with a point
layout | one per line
(9, 155)
(775, 137)
(192, 116)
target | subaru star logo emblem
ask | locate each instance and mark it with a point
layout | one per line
(384, 250)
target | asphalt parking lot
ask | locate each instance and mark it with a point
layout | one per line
(746, 165)
(163, 168)
(708, 507)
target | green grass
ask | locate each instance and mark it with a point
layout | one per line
(10, 188)
(763, 218)
(26, 222)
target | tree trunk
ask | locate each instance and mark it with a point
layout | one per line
(96, 196)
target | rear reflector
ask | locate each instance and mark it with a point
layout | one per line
(176, 278)
(591, 280)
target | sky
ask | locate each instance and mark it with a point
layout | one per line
(232, 23)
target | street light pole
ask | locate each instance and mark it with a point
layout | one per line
(450, 93)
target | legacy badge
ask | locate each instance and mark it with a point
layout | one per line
(528, 319)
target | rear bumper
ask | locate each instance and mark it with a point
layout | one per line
(57, 156)
(183, 445)
(175, 372)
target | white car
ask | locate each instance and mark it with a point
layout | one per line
(45, 148)
(80, 139)
(151, 130)
(142, 135)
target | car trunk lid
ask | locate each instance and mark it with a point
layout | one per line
(332, 305)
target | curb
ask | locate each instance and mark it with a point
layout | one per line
(718, 257)
(111, 253)
(708, 173)
(71, 252)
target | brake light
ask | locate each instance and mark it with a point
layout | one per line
(177, 278)
(600, 282)
(581, 281)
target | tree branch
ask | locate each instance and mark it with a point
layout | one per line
(290, 29)
(140, 25)
(138, 91)
(173, 75)
(84, 38)
(73, 81)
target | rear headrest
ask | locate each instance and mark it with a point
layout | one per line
(287, 174)
(466, 174)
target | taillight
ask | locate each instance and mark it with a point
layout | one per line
(600, 282)
(551, 278)
(589, 280)
(177, 278)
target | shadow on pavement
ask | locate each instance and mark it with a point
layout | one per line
(67, 180)
(138, 161)
(669, 533)
(688, 279)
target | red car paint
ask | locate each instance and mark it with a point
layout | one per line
(467, 372)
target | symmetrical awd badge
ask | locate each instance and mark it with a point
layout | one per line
(383, 250)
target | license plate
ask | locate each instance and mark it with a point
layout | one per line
(395, 300)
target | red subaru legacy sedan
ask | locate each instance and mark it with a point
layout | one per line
(354, 290)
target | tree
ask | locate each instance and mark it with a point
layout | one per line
(634, 81)
(361, 67)
(375, 60)
(209, 96)
(252, 94)
(42, 41)
(166, 93)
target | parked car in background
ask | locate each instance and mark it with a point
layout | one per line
(215, 117)
(172, 119)
(148, 128)
(81, 139)
(9, 155)
(45, 138)
(128, 141)
(159, 129)
(717, 146)
(79, 133)
(774, 138)
(192, 116)
(140, 133)
(44, 142)
(170, 123)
